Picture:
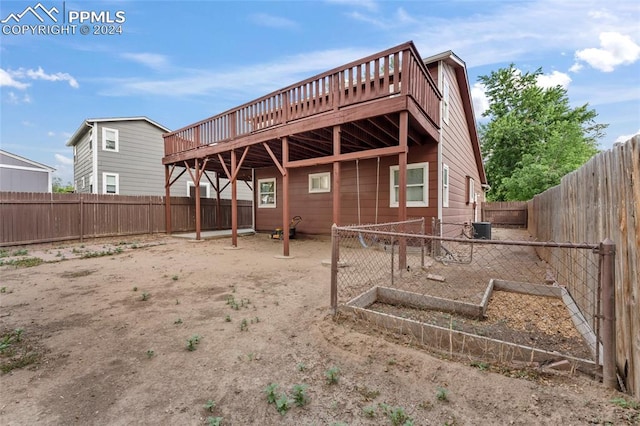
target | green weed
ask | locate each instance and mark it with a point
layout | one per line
(214, 421)
(270, 391)
(332, 375)
(145, 296)
(370, 411)
(21, 252)
(210, 405)
(301, 366)
(397, 416)
(283, 404)
(178, 321)
(442, 394)
(624, 403)
(244, 325)
(300, 396)
(482, 366)
(150, 353)
(192, 342)
(175, 278)
(227, 318)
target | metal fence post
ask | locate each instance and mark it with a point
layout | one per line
(335, 258)
(607, 252)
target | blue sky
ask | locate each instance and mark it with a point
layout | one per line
(178, 62)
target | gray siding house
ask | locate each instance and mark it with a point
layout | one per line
(19, 174)
(124, 156)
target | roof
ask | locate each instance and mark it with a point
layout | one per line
(463, 81)
(86, 125)
(26, 160)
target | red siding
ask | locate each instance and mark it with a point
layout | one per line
(316, 208)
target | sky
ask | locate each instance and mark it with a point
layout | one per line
(178, 62)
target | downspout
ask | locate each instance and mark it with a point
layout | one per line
(94, 153)
(441, 88)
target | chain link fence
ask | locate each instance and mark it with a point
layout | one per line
(491, 300)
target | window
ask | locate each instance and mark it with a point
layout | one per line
(267, 193)
(445, 102)
(204, 190)
(471, 190)
(110, 183)
(109, 139)
(445, 185)
(320, 182)
(417, 185)
(75, 154)
(83, 185)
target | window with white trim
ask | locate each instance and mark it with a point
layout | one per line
(417, 185)
(205, 191)
(110, 183)
(267, 193)
(471, 190)
(110, 139)
(445, 185)
(319, 182)
(445, 101)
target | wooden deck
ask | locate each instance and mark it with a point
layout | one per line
(364, 97)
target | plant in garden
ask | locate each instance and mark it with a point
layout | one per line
(21, 252)
(227, 318)
(192, 342)
(442, 394)
(175, 278)
(369, 411)
(301, 366)
(145, 295)
(3, 289)
(270, 391)
(150, 353)
(244, 326)
(396, 415)
(215, 421)
(300, 396)
(624, 403)
(178, 321)
(332, 375)
(135, 288)
(210, 405)
(482, 366)
(283, 404)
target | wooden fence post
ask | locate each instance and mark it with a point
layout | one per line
(335, 258)
(607, 252)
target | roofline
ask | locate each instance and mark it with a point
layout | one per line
(86, 124)
(463, 80)
(26, 160)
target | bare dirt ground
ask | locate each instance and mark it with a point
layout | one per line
(105, 341)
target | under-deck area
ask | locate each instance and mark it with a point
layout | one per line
(378, 106)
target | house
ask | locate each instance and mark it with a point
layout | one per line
(19, 174)
(381, 139)
(123, 156)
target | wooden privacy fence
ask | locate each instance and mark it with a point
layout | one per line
(602, 200)
(27, 218)
(505, 213)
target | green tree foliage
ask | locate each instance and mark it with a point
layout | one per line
(534, 137)
(58, 187)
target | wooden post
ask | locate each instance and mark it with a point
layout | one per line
(218, 207)
(335, 258)
(81, 219)
(234, 201)
(285, 197)
(167, 200)
(402, 187)
(196, 184)
(607, 252)
(336, 176)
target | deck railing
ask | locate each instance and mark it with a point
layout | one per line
(368, 79)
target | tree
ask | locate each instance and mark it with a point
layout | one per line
(534, 137)
(56, 185)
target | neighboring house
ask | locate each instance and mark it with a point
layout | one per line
(367, 142)
(123, 156)
(19, 174)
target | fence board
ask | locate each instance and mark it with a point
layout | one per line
(602, 200)
(505, 213)
(27, 218)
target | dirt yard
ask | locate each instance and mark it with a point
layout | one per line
(105, 328)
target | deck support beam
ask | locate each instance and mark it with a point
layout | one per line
(234, 200)
(402, 186)
(336, 176)
(195, 178)
(285, 198)
(167, 197)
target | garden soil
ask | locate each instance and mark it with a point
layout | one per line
(105, 328)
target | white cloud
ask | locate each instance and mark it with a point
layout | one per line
(273, 21)
(39, 74)
(363, 4)
(7, 80)
(624, 138)
(615, 49)
(480, 100)
(61, 159)
(399, 19)
(260, 78)
(51, 134)
(576, 67)
(554, 79)
(151, 60)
